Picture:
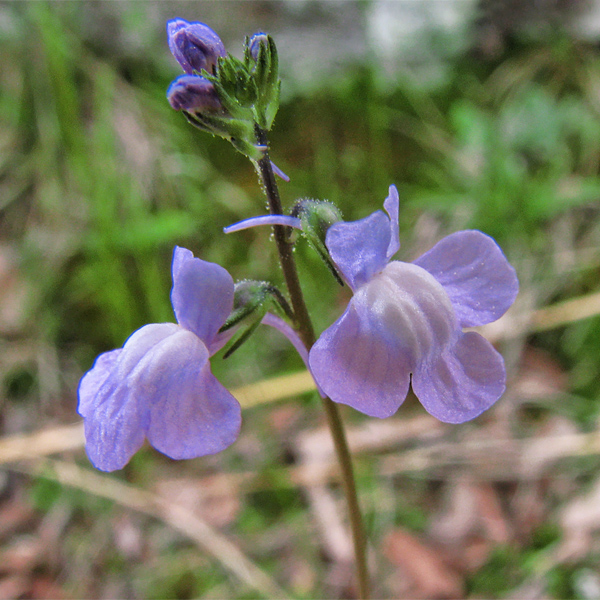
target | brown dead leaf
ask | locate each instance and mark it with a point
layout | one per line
(431, 576)
(540, 375)
(44, 587)
(475, 554)
(13, 293)
(579, 519)
(283, 418)
(22, 555)
(14, 586)
(528, 507)
(14, 515)
(214, 498)
(128, 536)
(458, 518)
(492, 518)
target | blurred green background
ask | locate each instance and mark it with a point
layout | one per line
(485, 114)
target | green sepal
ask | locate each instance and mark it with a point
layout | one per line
(252, 298)
(244, 335)
(266, 76)
(317, 216)
(240, 133)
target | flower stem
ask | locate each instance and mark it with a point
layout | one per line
(305, 330)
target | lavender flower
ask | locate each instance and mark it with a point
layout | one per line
(195, 45)
(407, 318)
(159, 386)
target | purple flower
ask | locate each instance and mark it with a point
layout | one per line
(195, 45)
(192, 92)
(407, 318)
(159, 386)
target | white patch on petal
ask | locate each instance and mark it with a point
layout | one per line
(412, 308)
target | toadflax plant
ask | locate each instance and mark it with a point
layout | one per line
(403, 325)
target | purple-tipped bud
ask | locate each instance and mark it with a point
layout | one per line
(195, 45)
(192, 92)
(255, 42)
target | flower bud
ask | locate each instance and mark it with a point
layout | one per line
(255, 42)
(195, 45)
(193, 93)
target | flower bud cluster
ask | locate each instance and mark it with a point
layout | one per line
(219, 93)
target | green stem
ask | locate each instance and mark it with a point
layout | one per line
(305, 330)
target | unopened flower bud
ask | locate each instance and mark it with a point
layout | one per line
(193, 93)
(195, 45)
(255, 42)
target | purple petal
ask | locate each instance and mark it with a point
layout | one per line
(202, 294)
(359, 248)
(355, 364)
(460, 383)
(195, 45)
(192, 92)
(392, 207)
(190, 413)
(114, 394)
(264, 220)
(92, 381)
(255, 43)
(480, 282)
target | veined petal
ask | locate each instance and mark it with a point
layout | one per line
(202, 294)
(359, 248)
(113, 397)
(190, 413)
(399, 320)
(392, 207)
(479, 280)
(460, 383)
(354, 364)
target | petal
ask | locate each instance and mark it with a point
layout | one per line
(463, 381)
(479, 280)
(354, 363)
(192, 92)
(92, 381)
(359, 248)
(113, 397)
(202, 294)
(392, 207)
(190, 414)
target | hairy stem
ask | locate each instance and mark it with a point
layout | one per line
(305, 330)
